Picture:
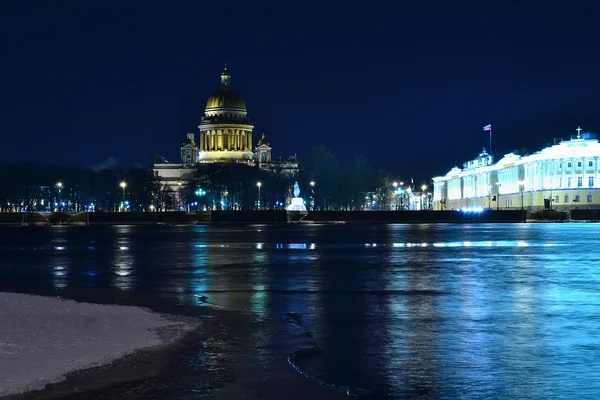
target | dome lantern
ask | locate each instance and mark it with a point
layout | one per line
(225, 78)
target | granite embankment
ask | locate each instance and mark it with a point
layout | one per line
(266, 217)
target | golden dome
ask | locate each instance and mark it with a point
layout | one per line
(225, 97)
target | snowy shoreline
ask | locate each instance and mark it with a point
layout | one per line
(42, 339)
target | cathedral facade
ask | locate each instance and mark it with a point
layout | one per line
(225, 136)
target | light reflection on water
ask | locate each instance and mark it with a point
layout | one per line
(421, 311)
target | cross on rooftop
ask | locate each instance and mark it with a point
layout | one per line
(578, 132)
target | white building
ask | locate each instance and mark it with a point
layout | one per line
(561, 177)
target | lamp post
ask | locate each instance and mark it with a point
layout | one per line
(258, 184)
(498, 184)
(423, 196)
(123, 185)
(522, 188)
(59, 185)
(312, 197)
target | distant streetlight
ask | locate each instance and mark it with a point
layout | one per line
(59, 185)
(312, 195)
(522, 188)
(395, 184)
(258, 184)
(424, 187)
(123, 185)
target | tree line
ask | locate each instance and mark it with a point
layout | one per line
(324, 184)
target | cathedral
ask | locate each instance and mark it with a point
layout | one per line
(225, 137)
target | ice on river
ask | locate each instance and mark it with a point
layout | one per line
(44, 338)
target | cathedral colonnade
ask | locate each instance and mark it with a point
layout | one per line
(225, 139)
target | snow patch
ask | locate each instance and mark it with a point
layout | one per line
(44, 338)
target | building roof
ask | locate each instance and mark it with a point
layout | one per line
(582, 145)
(263, 141)
(225, 97)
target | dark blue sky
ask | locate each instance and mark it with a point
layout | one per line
(409, 86)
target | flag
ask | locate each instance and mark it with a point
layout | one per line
(487, 127)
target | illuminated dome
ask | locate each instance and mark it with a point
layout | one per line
(225, 97)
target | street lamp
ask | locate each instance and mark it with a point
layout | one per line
(123, 185)
(258, 184)
(522, 188)
(498, 184)
(59, 185)
(312, 195)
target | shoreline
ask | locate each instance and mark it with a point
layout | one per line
(45, 341)
(164, 371)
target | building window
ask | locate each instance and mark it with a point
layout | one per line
(578, 164)
(560, 182)
(569, 164)
(557, 198)
(590, 163)
(590, 181)
(559, 165)
(579, 181)
(569, 182)
(589, 198)
(577, 199)
(566, 198)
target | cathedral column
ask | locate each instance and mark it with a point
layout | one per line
(213, 140)
(250, 140)
(219, 139)
(201, 141)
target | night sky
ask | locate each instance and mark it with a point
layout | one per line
(409, 86)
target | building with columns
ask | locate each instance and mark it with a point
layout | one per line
(562, 177)
(225, 137)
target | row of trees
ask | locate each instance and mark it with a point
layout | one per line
(324, 184)
(33, 187)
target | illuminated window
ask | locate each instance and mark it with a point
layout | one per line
(569, 164)
(589, 198)
(590, 181)
(557, 198)
(578, 164)
(579, 181)
(569, 181)
(577, 198)
(590, 163)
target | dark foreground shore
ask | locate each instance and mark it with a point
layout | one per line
(216, 361)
